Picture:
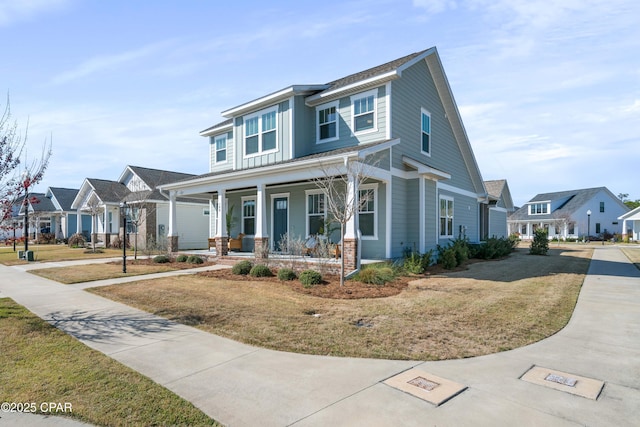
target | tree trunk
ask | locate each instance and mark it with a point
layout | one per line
(342, 256)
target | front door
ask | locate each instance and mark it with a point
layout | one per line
(280, 220)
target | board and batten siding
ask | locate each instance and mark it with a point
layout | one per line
(409, 94)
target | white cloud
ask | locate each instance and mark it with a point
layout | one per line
(435, 6)
(12, 11)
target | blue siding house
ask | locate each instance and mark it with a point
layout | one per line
(425, 190)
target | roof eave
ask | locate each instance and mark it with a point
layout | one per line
(327, 95)
(271, 99)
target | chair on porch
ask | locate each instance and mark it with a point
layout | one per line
(212, 242)
(236, 244)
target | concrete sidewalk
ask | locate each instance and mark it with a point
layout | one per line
(242, 385)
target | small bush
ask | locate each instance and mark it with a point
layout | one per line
(417, 263)
(243, 268)
(161, 259)
(540, 243)
(116, 243)
(376, 275)
(286, 274)
(182, 258)
(194, 259)
(309, 278)
(260, 270)
(448, 258)
(77, 240)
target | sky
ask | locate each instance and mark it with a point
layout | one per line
(549, 92)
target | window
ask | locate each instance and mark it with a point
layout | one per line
(538, 209)
(206, 212)
(523, 229)
(597, 228)
(315, 213)
(601, 206)
(367, 210)
(446, 217)
(327, 122)
(220, 143)
(572, 228)
(364, 111)
(249, 216)
(260, 132)
(425, 127)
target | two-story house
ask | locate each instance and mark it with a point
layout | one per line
(570, 214)
(425, 190)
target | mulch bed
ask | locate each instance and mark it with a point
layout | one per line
(330, 288)
(174, 264)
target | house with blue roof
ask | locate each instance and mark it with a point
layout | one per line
(424, 190)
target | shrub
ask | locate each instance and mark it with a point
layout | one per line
(116, 243)
(494, 247)
(309, 278)
(161, 259)
(376, 275)
(285, 274)
(77, 240)
(447, 258)
(182, 258)
(461, 250)
(417, 263)
(260, 270)
(242, 267)
(540, 243)
(194, 259)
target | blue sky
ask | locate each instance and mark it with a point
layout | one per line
(549, 92)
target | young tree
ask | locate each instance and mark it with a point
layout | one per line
(560, 222)
(340, 184)
(94, 208)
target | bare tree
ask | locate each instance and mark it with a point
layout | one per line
(560, 221)
(340, 184)
(94, 207)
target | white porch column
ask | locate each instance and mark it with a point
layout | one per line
(624, 228)
(221, 215)
(350, 231)
(78, 222)
(421, 214)
(172, 234)
(261, 213)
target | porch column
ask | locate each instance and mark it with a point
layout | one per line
(172, 235)
(222, 237)
(78, 221)
(350, 237)
(261, 238)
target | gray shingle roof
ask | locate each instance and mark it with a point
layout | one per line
(156, 177)
(109, 191)
(495, 187)
(40, 203)
(574, 200)
(64, 196)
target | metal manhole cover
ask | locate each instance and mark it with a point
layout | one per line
(423, 383)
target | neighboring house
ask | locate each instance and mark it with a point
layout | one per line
(425, 190)
(14, 224)
(494, 214)
(40, 209)
(147, 209)
(631, 224)
(570, 214)
(63, 220)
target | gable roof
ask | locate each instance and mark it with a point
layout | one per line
(108, 191)
(499, 189)
(573, 201)
(156, 177)
(64, 196)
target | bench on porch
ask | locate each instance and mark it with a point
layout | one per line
(212, 242)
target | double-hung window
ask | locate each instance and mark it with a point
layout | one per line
(260, 132)
(249, 216)
(315, 213)
(601, 206)
(538, 208)
(220, 143)
(446, 217)
(364, 111)
(367, 211)
(327, 122)
(425, 133)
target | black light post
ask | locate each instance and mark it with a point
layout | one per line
(15, 224)
(123, 212)
(588, 225)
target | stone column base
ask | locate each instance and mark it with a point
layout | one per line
(172, 243)
(222, 245)
(350, 254)
(261, 247)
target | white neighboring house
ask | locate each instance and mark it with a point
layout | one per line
(147, 208)
(570, 214)
(631, 224)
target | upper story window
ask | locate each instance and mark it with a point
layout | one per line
(260, 132)
(425, 132)
(220, 147)
(538, 208)
(327, 122)
(364, 111)
(446, 217)
(601, 206)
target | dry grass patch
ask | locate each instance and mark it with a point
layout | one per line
(44, 253)
(633, 254)
(492, 306)
(112, 270)
(42, 364)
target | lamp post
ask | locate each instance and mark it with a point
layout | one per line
(588, 225)
(15, 224)
(123, 212)
(25, 183)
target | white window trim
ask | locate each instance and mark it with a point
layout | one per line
(453, 218)
(427, 113)
(242, 217)
(531, 205)
(319, 108)
(358, 96)
(215, 149)
(373, 187)
(259, 115)
(308, 193)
